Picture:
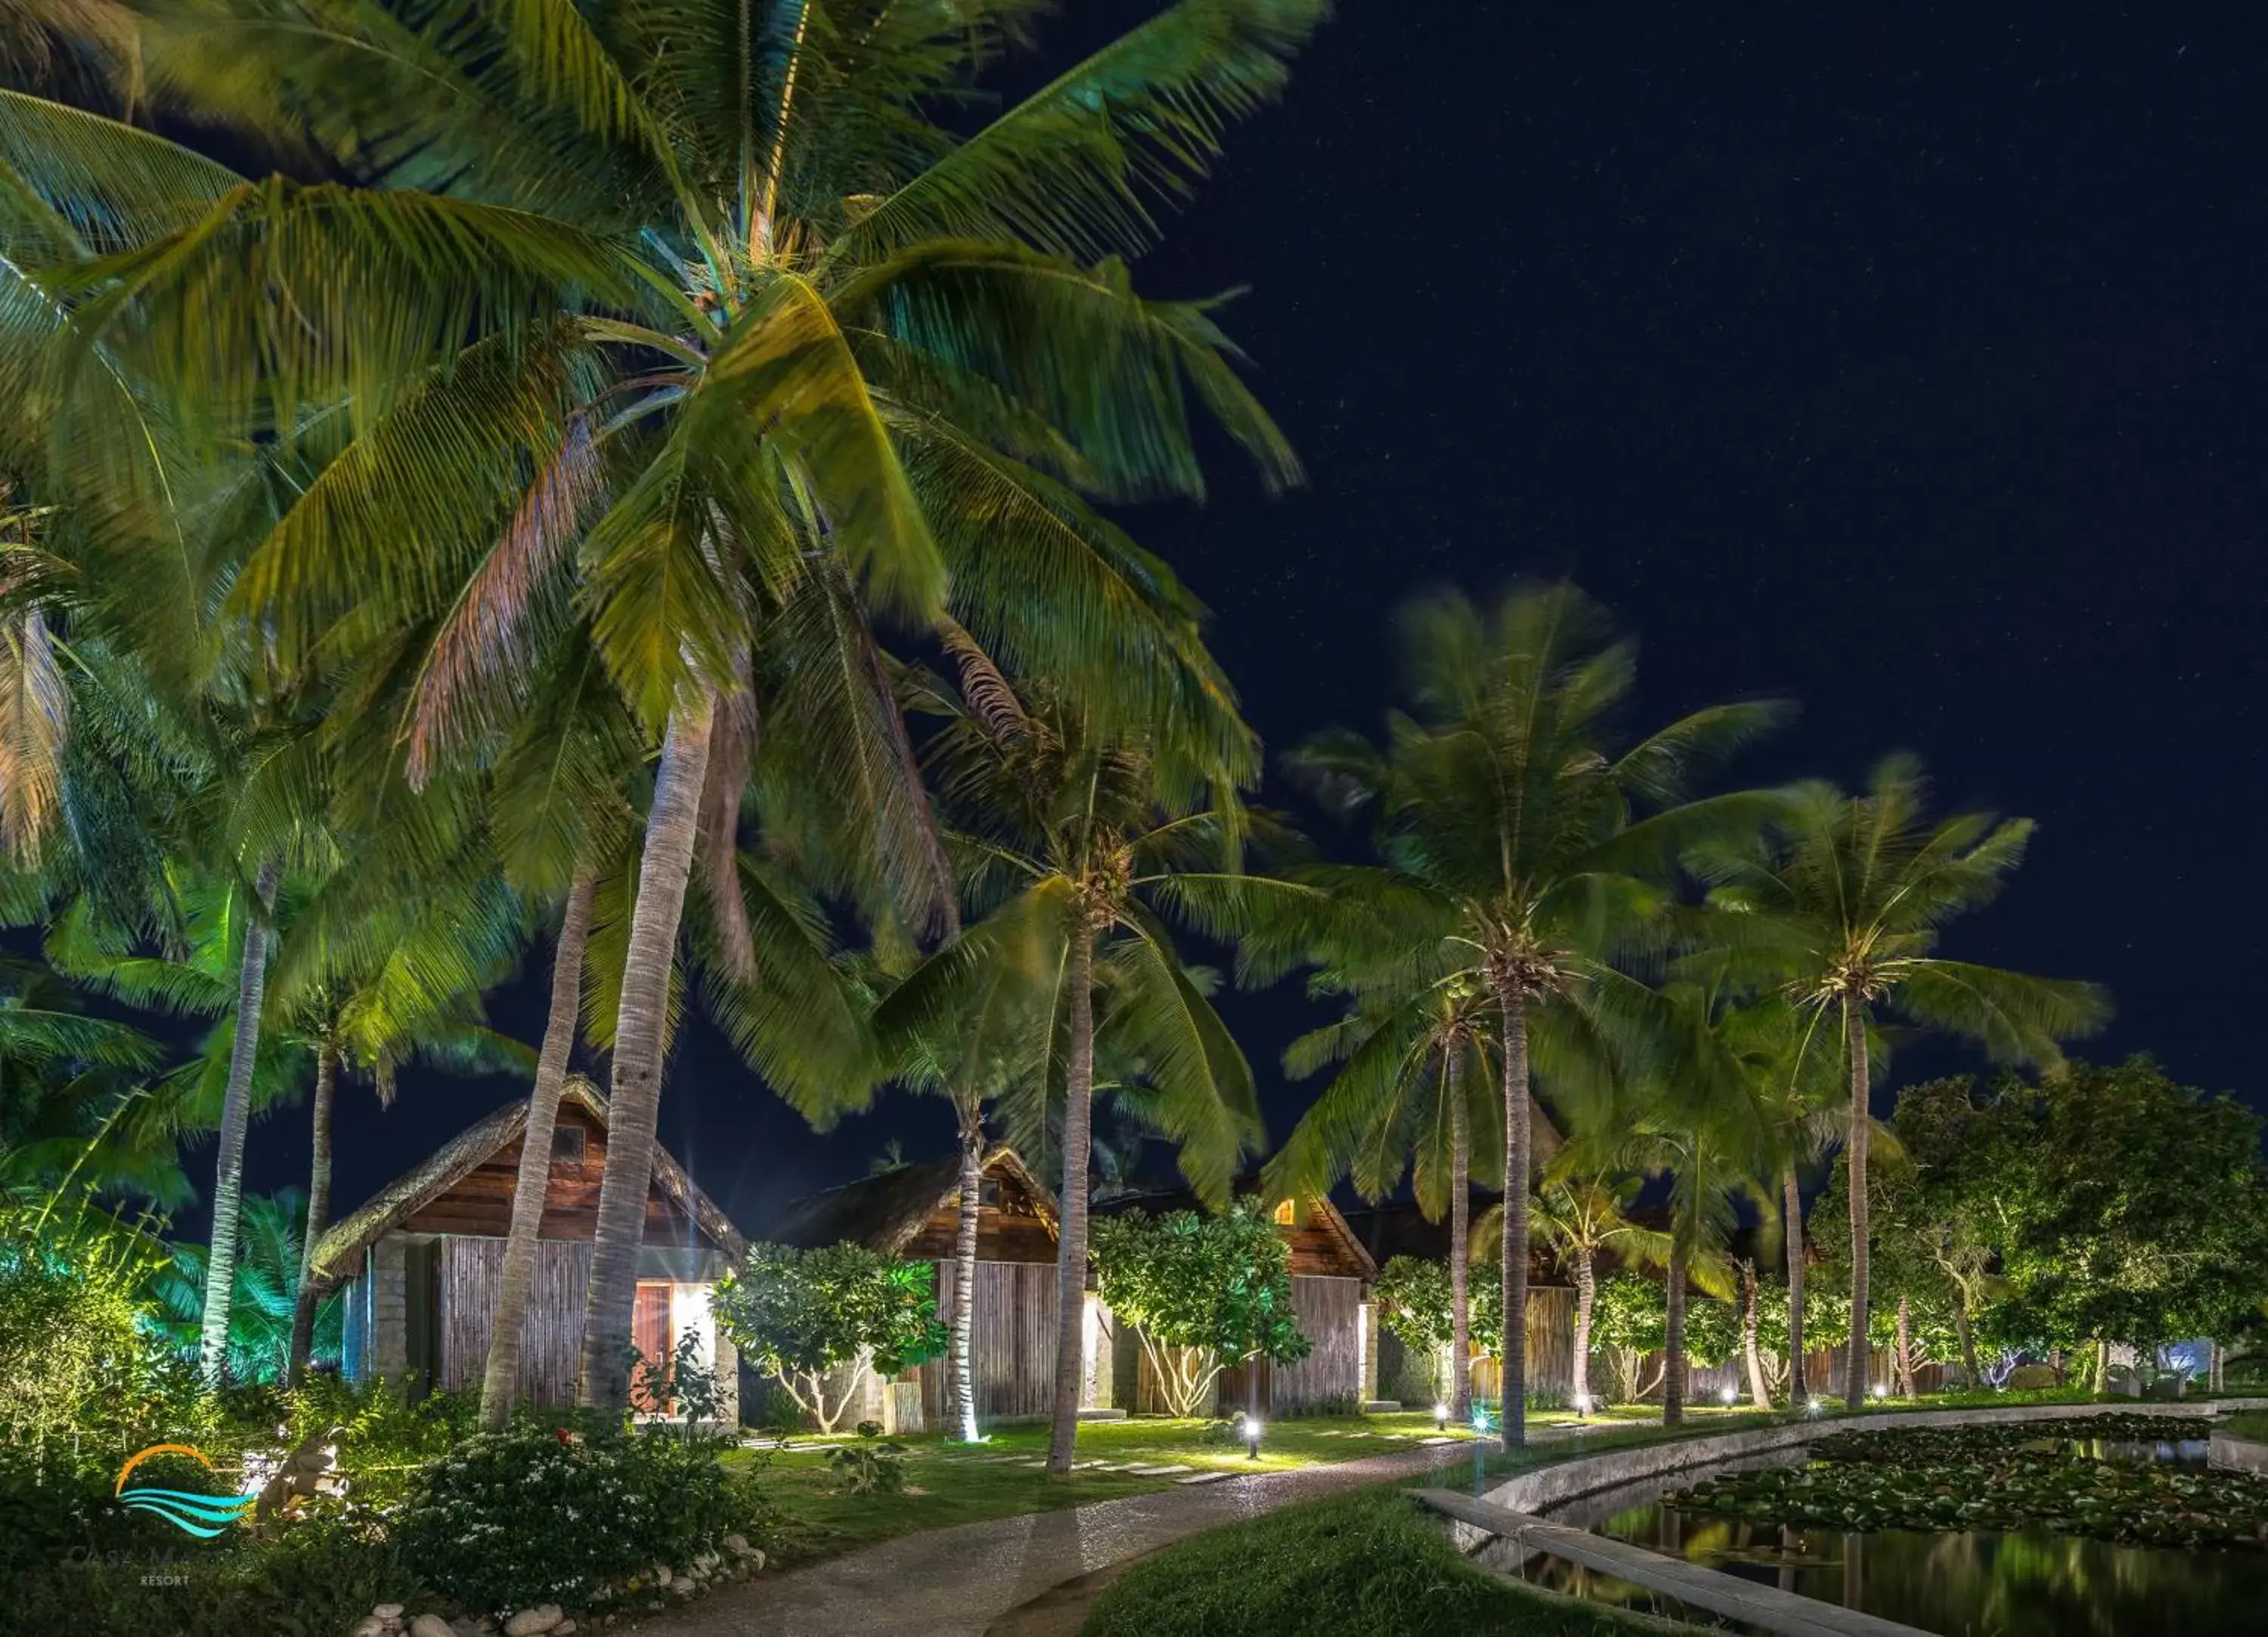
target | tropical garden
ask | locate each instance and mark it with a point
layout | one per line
(650, 490)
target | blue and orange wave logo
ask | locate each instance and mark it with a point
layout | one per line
(199, 1515)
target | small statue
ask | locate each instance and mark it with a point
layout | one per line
(308, 1470)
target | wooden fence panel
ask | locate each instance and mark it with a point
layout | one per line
(1551, 1346)
(1330, 1316)
(1012, 1340)
(550, 1335)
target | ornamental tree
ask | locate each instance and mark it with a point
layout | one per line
(1415, 1305)
(841, 1312)
(1629, 1321)
(1203, 1291)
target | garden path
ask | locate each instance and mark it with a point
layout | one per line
(956, 1583)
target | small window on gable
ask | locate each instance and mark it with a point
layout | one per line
(567, 1145)
(1286, 1214)
(988, 1192)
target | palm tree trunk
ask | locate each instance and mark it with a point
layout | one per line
(635, 1097)
(1791, 1227)
(1759, 1394)
(964, 1267)
(1672, 1346)
(1071, 1246)
(1513, 1348)
(1587, 1291)
(1460, 1172)
(1904, 1359)
(319, 1211)
(235, 1116)
(1854, 1372)
(500, 1383)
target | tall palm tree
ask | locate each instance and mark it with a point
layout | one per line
(582, 257)
(1582, 1210)
(1415, 1094)
(1507, 810)
(1840, 907)
(1075, 836)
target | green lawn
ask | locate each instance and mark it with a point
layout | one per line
(2249, 1424)
(1371, 1563)
(949, 1483)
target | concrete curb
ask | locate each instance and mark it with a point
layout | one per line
(1548, 1486)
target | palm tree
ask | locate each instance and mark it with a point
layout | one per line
(1840, 907)
(1416, 1084)
(1581, 1210)
(591, 255)
(1507, 811)
(264, 1272)
(1075, 835)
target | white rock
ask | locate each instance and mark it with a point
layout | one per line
(565, 1628)
(706, 1561)
(369, 1626)
(757, 1557)
(388, 1610)
(532, 1622)
(737, 1545)
(430, 1625)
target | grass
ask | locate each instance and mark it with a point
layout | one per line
(949, 1483)
(1371, 1563)
(2245, 1424)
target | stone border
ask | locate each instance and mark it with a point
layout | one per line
(2232, 1454)
(1546, 1487)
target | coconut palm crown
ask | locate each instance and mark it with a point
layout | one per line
(1840, 906)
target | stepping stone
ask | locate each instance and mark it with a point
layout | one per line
(1155, 1471)
(1333, 1432)
(1110, 1466)
(1441, 1440)
(1205, 1478)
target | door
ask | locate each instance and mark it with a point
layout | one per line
(649, 1335)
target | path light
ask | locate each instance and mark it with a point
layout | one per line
(1728, 1396)
(1582, 1404)
(1815, 1407)
(1440, 1418)
(1880, 1391)
(1251, 1437)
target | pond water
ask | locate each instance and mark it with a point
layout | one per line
(2029, 1583)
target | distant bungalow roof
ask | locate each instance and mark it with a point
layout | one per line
(450, 1164)
(885, 1211)
(1161, 1201)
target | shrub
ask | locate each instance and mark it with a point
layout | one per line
(799, 1315)
(1203, 1291)
(540, 1515)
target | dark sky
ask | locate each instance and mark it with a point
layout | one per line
(1908, 364)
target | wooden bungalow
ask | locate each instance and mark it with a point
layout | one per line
(1331, 1274)
(913, 1212)
(420, 1261)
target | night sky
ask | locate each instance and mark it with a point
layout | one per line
(1906, 365)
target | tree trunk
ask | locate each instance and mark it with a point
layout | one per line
(500, 1382)
(1904, 1359)
(1461, 1169)
(235, 1116)
(1587, 1290)
(1854, 1028)
(633, 1098)
(1071, 1247)
(964, 1267)
(1968, 1337)
(1513, 1348)
(319, 1211)
(1673, 1348)
(1759, 1394)
(2216, 1367)
(2102, 1366)
(1790, 1213)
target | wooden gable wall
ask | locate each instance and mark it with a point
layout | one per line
(1010, 1227)
(1318, 1248)
(480, 1202)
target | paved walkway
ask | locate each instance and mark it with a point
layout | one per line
(956, 1583)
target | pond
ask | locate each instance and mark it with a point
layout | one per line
(1785, 1519)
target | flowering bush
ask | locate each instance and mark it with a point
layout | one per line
(538, 1515)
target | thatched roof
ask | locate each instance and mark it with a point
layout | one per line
(338, 1252)
(1320, 1209)
(885, 1211)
